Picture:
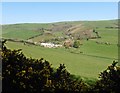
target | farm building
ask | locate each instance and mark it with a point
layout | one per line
(50, 45)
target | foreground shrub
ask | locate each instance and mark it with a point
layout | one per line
(109, 80)
(27, 75)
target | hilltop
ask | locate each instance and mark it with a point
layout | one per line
(57, 32)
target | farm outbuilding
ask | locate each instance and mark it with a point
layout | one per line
(50, 45)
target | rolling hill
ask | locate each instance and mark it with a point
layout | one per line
(99, 43)
(63, 29)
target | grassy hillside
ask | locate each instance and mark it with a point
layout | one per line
(89, 64)
(93, 56)
(26, 31)
(108, 35)
(20, 31)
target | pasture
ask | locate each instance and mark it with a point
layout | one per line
(87, 61)
(94, 59)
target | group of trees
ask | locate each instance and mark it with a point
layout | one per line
(97, 34)
(74, 44)
(27, 75)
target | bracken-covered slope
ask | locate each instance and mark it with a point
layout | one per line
(76, 29)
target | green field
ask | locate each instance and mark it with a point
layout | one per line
(89, 64)
(21, 31)
(27, 30)
(87, 61)
(108, 35)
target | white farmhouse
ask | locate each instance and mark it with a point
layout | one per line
(50, 45)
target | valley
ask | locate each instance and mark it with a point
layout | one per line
(98, 44)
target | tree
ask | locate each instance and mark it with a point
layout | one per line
(93, 30)
(68, 43)
(76, 44)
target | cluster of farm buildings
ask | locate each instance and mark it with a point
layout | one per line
(50, 45)
(67, 43)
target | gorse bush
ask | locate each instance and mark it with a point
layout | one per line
(27, 75)
(109, 80)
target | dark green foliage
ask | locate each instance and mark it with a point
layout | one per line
(93, 30)
(27, 75)
(109, 80)
(76, 44)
